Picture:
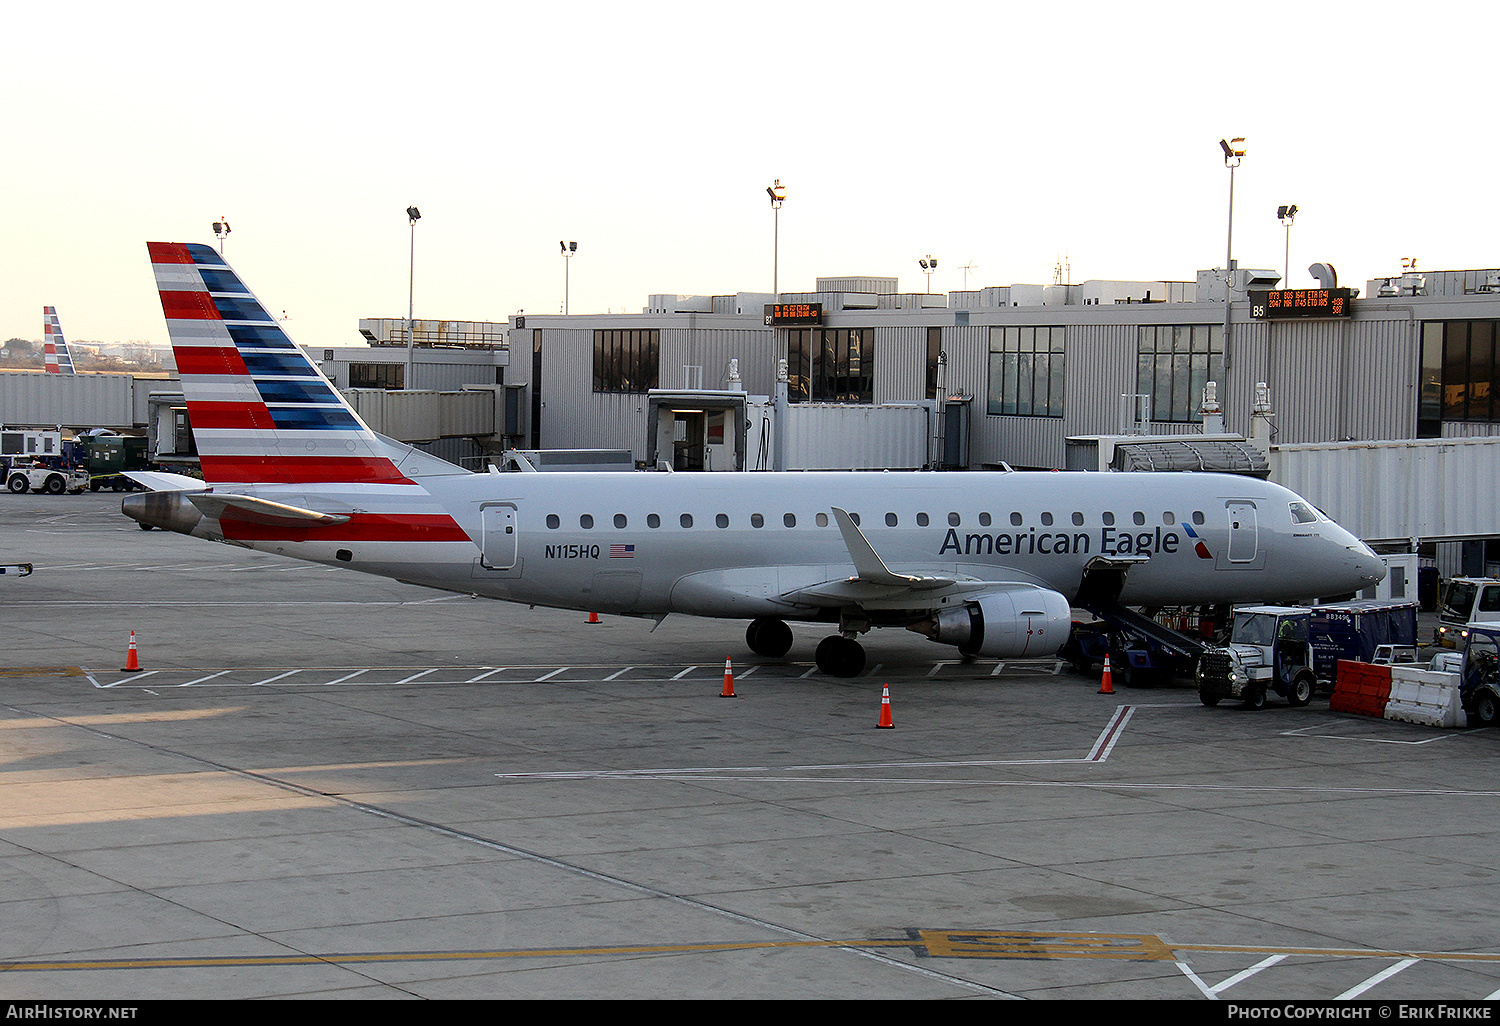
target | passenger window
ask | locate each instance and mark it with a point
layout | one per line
(1046, 519)
(553, 523)
(922, 520)
(1077, 519)
(984, 520)
(722, 520)
(822, 519)
(1139, 518)
(953, 520)
(586, 522)
(1016, 520)
(890, 520)
(1109, 520)
(789, 519)
(1168, 519)
(620, 520)
(1197, 516)
(756, 520)
(652, 520)
(686, 520)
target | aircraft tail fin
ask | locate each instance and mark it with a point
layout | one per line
(261, 410)
(57, 359)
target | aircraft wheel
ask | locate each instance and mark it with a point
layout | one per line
(769, 636)
(839, 656)
(145, 527)
(19, 484)
(1303, 687)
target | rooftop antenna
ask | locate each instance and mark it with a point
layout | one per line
(966, 269)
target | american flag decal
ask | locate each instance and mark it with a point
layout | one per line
(622, 551)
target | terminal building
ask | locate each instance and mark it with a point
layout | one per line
(1375, 403)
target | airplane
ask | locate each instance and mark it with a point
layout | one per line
(55, 355)
(989, 563)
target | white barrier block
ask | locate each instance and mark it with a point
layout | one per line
(1425, 696)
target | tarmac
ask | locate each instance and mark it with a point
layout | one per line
(325, 785)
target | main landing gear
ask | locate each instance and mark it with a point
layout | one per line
(838, 655)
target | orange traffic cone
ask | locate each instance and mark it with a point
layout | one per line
(132, 664)
(1109, 687)
(728, 691)
(593, 618)
(885, 709)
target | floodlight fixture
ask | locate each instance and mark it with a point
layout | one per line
(568, 249)
(414, 214)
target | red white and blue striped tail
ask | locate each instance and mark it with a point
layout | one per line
(56, 358)
(261, 411)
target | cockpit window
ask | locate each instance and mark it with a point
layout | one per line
(1302, 513)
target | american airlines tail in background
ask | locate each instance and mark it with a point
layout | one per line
(55, 355)
(989, 563)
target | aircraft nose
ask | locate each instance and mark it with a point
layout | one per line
(1369, 567)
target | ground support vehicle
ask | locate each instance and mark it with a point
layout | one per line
(107, 457)
(1466, 600)
(1143, 650)
(1478, 668)
(1290, 649)
(27, 475)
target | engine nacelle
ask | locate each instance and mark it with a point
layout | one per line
(1011, 624)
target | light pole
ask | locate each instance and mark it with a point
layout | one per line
(413, 216)
(778, 196)
(221, 232)
(1286, 215)
(929, 264)
(1234, 152)
(568, 249)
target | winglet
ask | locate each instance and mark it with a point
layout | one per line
(867, 563)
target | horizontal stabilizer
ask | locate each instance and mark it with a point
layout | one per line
(160, 481)
(261, 511)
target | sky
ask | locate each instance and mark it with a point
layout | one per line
(1000, 137)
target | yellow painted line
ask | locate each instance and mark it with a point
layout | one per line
(986, 944)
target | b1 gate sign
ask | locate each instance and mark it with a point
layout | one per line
(1285, 303)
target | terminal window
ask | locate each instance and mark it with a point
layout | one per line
(1174, 362)
(830, 365)
(1027, 367)
(627, 360)
(1458, 375)
(377, 375)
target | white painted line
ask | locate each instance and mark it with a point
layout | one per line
(1245, 974)
(347, 676)
(133, 678)
(491, 673)
(684, 673)
(199, 680)
(996, 671)
(617, 673)
(1205, 988)
(1380, 977)
(747, 671)
(549, 676)
(1111, 734)
(408, 680)
(268, 680)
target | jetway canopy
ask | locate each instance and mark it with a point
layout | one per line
(1209, 455)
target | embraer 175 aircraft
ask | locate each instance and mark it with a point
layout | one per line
(987, 562)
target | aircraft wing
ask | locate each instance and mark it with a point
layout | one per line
(875, 583)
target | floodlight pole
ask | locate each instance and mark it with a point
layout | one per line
(413, 215)
(1233, 152)
(778, 196)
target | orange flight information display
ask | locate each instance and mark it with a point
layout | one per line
(1287, 303)
(794, 313)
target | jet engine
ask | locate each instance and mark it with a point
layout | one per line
(1010, 624)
